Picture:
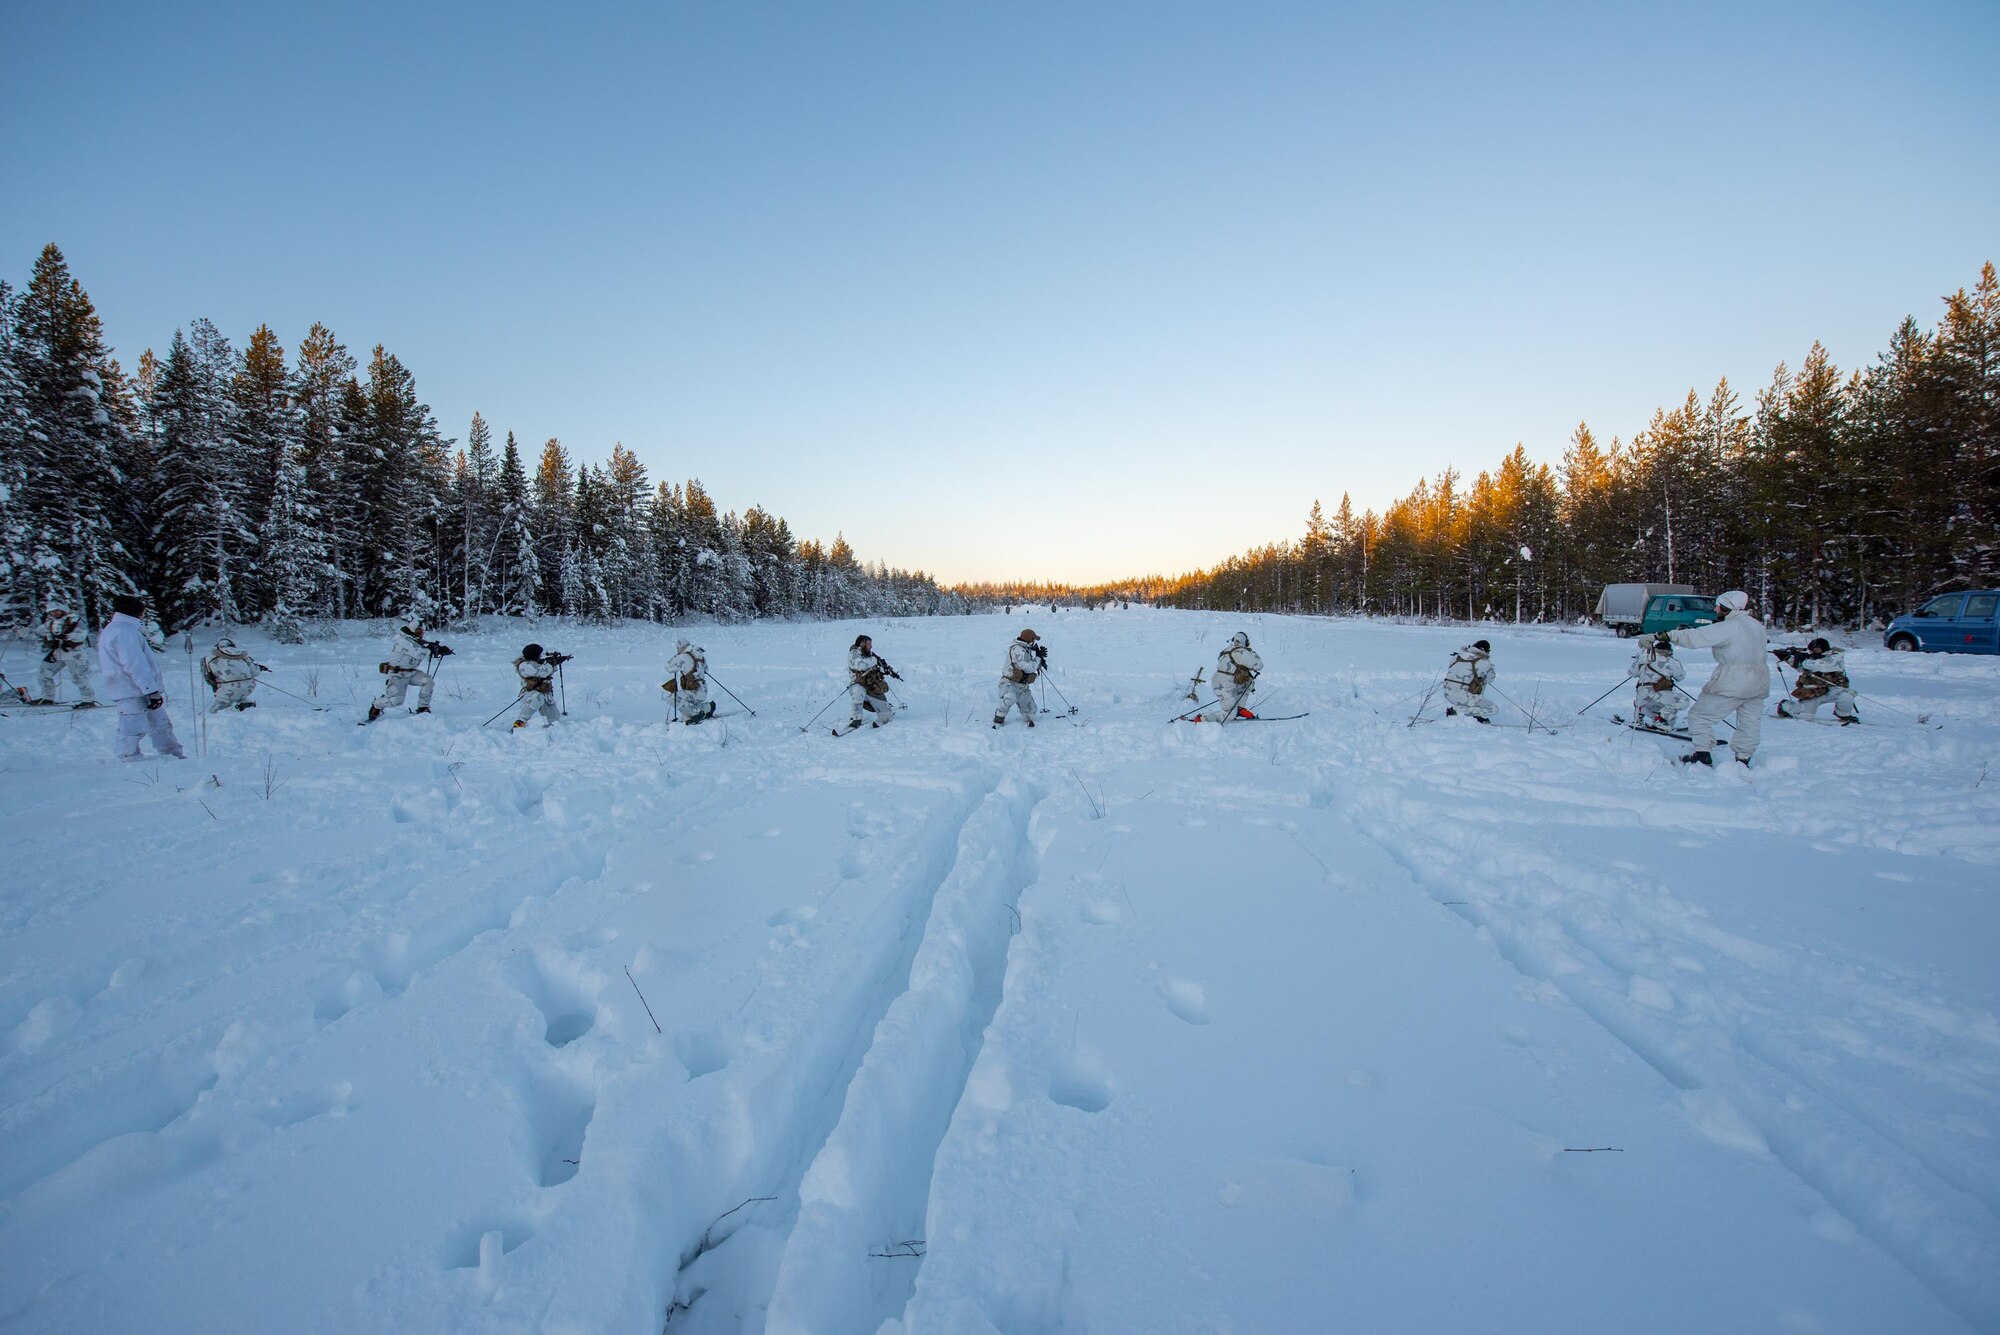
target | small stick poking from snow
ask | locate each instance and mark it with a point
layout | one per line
(649, 1010)
(1594, 1149)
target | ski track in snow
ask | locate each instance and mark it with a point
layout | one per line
(1122, 1025)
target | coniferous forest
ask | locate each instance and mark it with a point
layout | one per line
(245, 484)
(1834, 498)
(237, 485)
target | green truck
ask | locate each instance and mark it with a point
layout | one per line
(1643, 609)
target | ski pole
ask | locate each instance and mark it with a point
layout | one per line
(1880, 703)
(1533, 722)
(509, 705)
(1196, 710)
(732, 695)
(1425, 703)
(1598, 701)
(815, 718)
(1724, 719)
(300, 698)
(563, 687)
(1060, 696)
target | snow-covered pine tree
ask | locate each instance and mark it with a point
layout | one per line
(16, 589)
(75, 446)
(201, 534)
(321, 381)
(294, 556)
(267, 427)
(550, 520)
(478, 517)
(400, 460)
(517, 569)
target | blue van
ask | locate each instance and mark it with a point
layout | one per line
(1951, 623)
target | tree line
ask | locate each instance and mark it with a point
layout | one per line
(233, 485)
(1835, 500)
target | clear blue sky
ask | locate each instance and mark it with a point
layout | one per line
(1057, 290)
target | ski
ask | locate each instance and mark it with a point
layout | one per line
(1254, 718)
(1621, 721)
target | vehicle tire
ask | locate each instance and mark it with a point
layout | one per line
(1625, 632)
(1904, 644)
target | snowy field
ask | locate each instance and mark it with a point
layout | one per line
(1116, 1026)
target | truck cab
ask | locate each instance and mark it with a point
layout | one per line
(1676, 611)
(1951, 623)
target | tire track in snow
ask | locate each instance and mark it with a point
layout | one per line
(868, 1188)
(1733, 1086)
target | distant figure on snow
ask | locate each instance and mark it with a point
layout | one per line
(232, 675)
(1237, 669)
(1655, 702)
(132, 678)
(1741, 682)
(687, 683)
(1025, 660)
(65, 644)
(1822, 673)
(400, 671)
(868, 684)
(1465, 681)
(538, 684)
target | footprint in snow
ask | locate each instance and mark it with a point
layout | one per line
(1188, 1001)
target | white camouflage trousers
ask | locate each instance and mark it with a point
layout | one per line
(877, 704)
(1466, 702)
(1655, 709)
(536, 702)
(78, 664)
(232, 694)
(1229, 697)
(398, 683)
(694, 704)
(1712, 706)
(136, 721)
(1015, 695)
(1843, 704)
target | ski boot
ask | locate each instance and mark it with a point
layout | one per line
(520, 723)
(84, 704)
(1449, 710)
(1699, 758)
(374, 712)
(421, 709)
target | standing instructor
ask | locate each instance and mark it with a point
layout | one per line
(132, 679)
(1741, 684)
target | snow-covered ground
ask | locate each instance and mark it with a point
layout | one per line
(1334, 1024)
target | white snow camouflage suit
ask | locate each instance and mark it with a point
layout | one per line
(1821, 679)
(64, 645)
(406, 653)
(1237, 668)
(130, 675)
(1741, 683)
(1655, 702)
(687, 680)
(232, 674)
(1465, 681)
(538, 691)
(1017, 682)
(863, 671)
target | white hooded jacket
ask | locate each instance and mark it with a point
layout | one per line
(1738, 642)
(1023, 664)
(126, 661)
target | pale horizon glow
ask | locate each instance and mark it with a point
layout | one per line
(1033, 292)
